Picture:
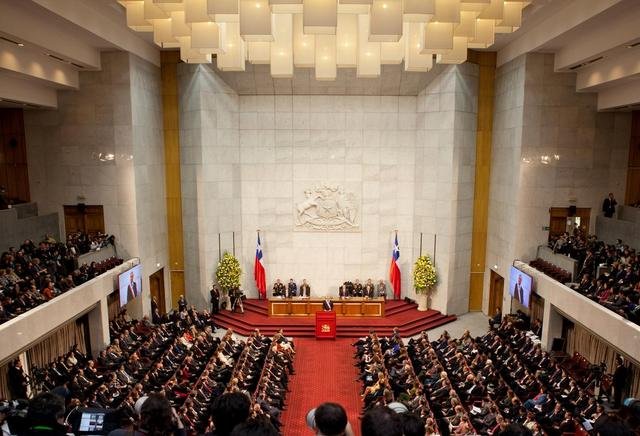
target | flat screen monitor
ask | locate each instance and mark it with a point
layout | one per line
(91, 422)
(130, 284)
(520, 286)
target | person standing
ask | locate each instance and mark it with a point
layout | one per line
(609, 205)
(305, 289)
(17, 381)
(292, 289)
(278, 288)
(382, 289)
(518, 293)
(619, 382)
(369, 289)
(182, 303)
(132, 289)
(215, 299)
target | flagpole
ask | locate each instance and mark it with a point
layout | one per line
(420, 243)
(435, 238)
(219, 249)
(233, 235)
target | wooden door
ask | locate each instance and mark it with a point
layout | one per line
(84, 218)
(632, 194)
(558, 220)
(156, 285)
(496, 290)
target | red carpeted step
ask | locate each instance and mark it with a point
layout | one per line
(399, 314)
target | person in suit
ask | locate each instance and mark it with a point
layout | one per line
(619, 382)
(518, 292)
(278, 288)
(369, 289)
(342, 291)
(215, 299)
(305, 289)
(357, 288)
(292, 289)
(381, 289)
(327, 304)
(132, 288)
(609, 205)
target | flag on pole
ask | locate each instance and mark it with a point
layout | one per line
(258, 271)
(394, 271)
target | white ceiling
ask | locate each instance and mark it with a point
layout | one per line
(75, 31)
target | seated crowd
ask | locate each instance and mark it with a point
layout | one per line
(81, 243)
(356, 289)
(608, 274)
(182, 361)
(500, 383)
(34, 274)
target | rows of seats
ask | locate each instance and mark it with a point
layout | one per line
(34, 274)
(183, 360)
(486, 385)
(555, 272)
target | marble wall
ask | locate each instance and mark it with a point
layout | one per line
(444, 180)
(551, 148)
(289, 144)
(210, 169)
(247, 161)
(104, 145)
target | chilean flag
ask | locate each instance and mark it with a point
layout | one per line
(394, 271)
(258, 272)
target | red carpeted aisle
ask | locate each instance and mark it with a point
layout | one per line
(324, 372)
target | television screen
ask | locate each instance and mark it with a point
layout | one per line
(130, 284)
(520, 285)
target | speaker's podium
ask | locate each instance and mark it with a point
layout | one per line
(326, 325)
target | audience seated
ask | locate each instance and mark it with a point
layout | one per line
(32, 275)
(608, 274)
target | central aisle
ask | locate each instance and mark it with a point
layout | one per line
(324, 372)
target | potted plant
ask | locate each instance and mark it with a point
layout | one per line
(424, 279)
(228, 274)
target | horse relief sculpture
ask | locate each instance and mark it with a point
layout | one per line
(328, 208)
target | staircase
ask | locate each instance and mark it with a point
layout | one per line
(400, 314)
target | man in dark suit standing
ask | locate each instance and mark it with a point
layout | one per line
(609, 205)
(132, 289)
(518, 293)
(619, 382)
(292, 289)
(327, 304)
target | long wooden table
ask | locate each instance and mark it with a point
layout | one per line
(343, 307)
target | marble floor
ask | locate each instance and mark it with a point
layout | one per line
(475, 322)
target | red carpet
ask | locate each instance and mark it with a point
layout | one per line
(399, 314)
(324, 372)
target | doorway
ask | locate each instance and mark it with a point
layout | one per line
(156, 286)
(84, 218)
(496, 290)
(566, 219)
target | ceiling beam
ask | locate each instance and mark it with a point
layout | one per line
(613, 31)
(575, 13)
(37, 65)
(106, 25)
(26, 91)
(26, 23)
(610, 71)
(621, 96)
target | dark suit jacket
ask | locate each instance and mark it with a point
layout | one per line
(327, 305)
(132, 291)
(518, 295)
